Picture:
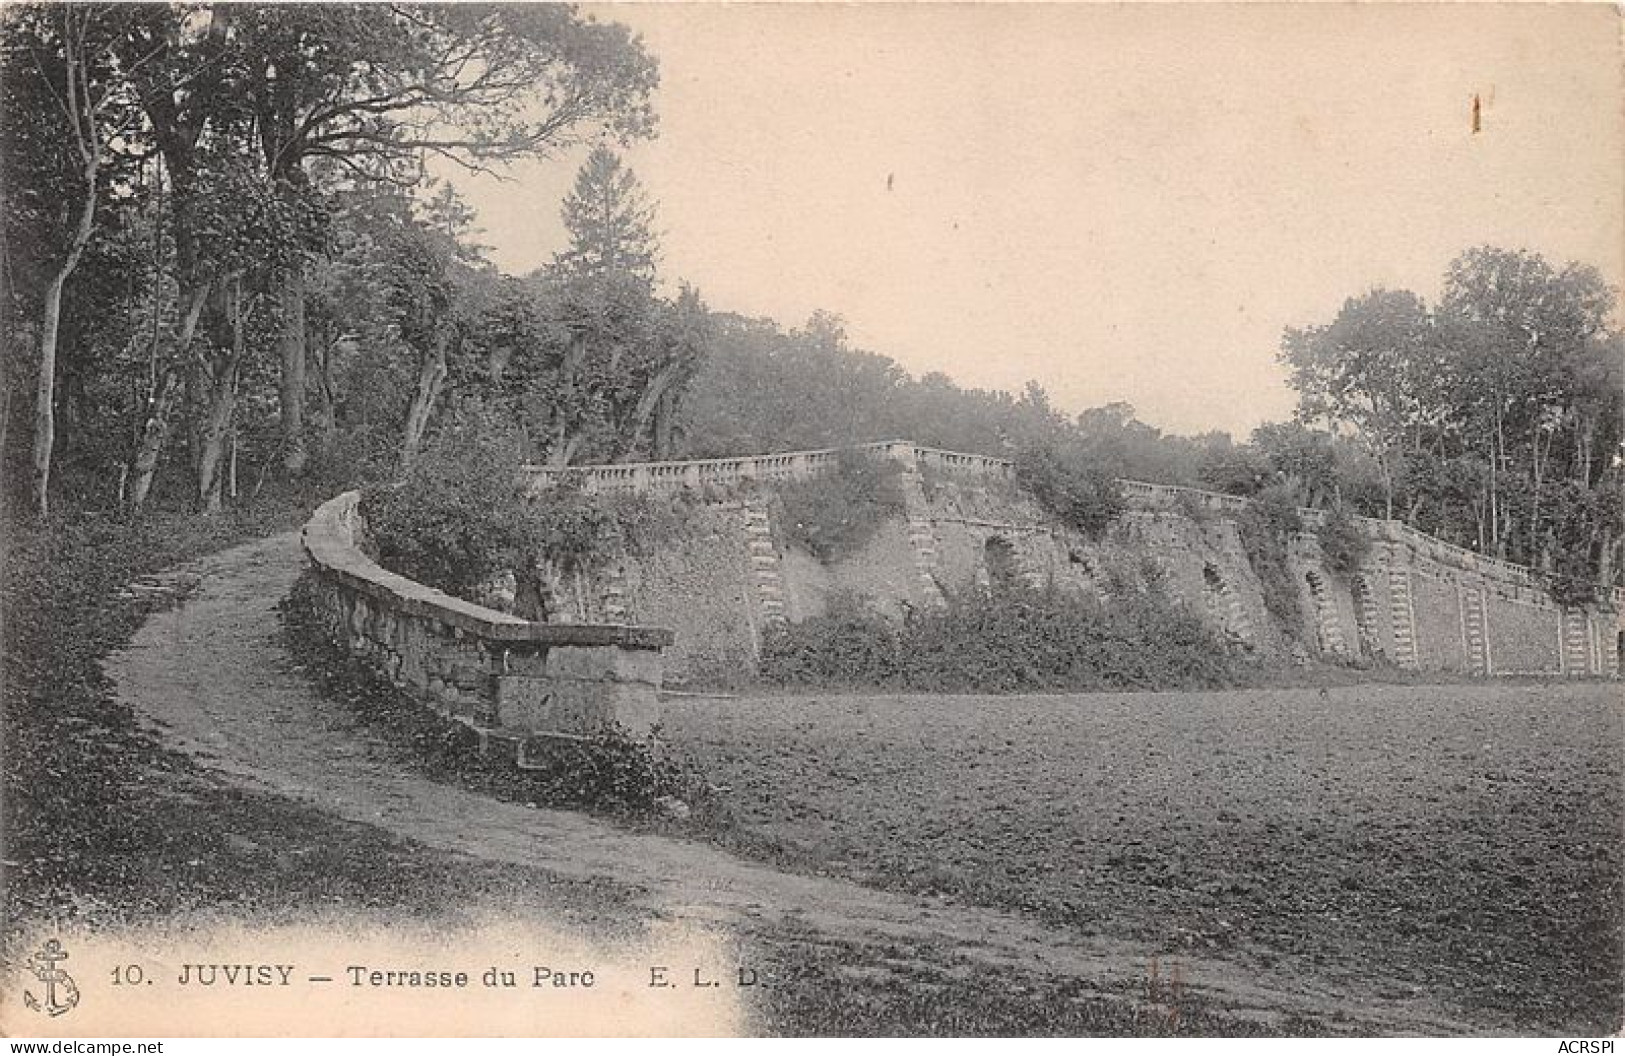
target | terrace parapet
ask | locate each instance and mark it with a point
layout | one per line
(508, 678)
(644, 477)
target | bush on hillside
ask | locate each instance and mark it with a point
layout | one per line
(1012, 639)
(1084, 497)
(1265, 527)
(834, 513)
(1342, 542)
(463, 515)
(460, 516)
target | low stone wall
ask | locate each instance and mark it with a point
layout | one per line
(509, 679)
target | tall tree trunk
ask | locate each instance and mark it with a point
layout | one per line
(45, 394)
(1495, 494)
(222, 372)
(561, 455)
(327, 425)
(1582, 445)
(160, 410)
(292, 344)
(166, 392)
(1534, 502)
(563, 445)
(1605, 565)
(649, 407)
(222, 402)
(5, 417)
(665, 424)
(50, 326)
(80, 110)
(1385, 467)
(431, 378)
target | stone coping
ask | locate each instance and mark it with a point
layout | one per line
(329, 542)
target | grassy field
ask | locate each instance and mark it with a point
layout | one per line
(1459, 841)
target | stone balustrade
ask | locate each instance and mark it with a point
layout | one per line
(509, 679)
(634, 477)
(1441, 552)
(1171, 496)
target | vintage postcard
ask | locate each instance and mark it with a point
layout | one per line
(534, 520)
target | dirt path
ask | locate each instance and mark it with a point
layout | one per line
(211, 676)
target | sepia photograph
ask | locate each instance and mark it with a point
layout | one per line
(810, 519)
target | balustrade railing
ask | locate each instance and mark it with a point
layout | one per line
(724, 472)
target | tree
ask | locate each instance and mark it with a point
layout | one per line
(1304, 459)
(182, 88)
(66, 104)
(1374, 368)
(1495, 418)
(1235, 469)
(597, 365)
(373, 88)
(608, 217)
(1525, 334)
(362, 94)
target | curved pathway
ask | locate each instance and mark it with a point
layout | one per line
(211, 676)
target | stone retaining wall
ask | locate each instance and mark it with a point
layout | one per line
(510, 679)
(1415, 601)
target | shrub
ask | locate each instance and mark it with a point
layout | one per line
(1342, 541)
(833, 514)
(849, 645)
(609, 771)
(463, 515)
(1264, 527)
(1193, 508)
(572, 528)
(1081, 496)
(460, 516)
(357, 456)
(1013, 639)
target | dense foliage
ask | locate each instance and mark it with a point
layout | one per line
(834, 513)
(1266, 527)
(1342, 541)
(1011, 639)
(465, 514)
(1077, 492)
(1494, 417)
(222, 263)
(460, 516)
(219, 236)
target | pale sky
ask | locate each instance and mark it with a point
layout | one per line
(1121, 202)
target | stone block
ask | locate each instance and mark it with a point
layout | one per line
(576, 708)
(610, 663)
(523, 702)
(522, 659)
(469, 677)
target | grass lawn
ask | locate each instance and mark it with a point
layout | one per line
(1461, 841)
